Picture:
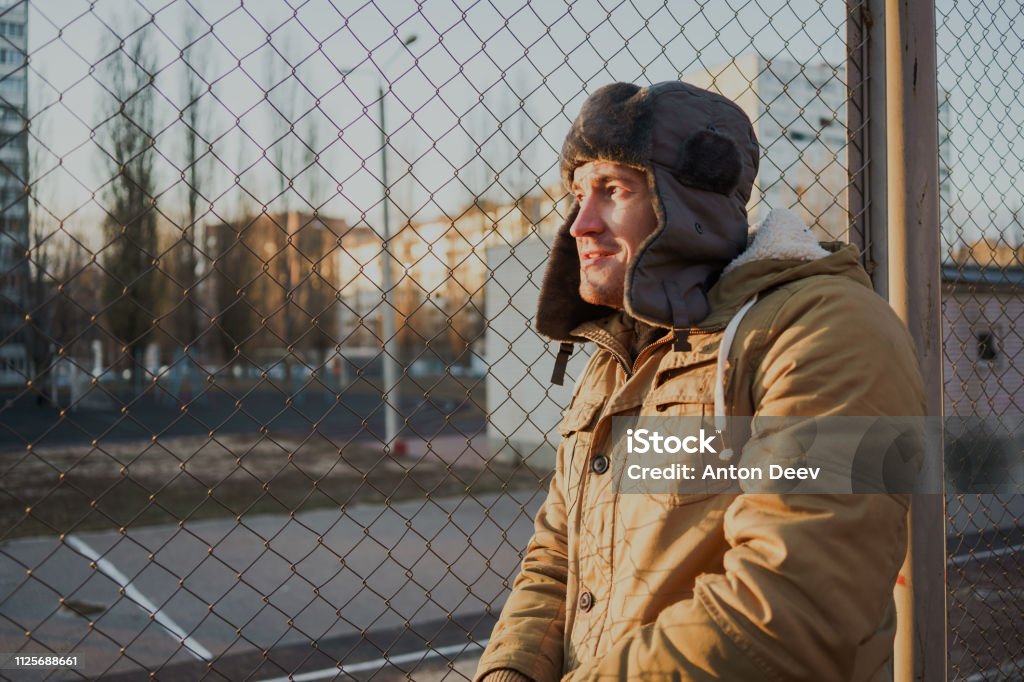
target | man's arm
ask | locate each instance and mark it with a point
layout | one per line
(528, 636)
(808, 578)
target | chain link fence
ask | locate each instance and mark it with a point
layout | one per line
(272, 401)
(981, 166)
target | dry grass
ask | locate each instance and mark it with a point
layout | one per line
(61, 489)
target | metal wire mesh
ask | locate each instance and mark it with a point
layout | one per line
(272, 399)
(983, 277)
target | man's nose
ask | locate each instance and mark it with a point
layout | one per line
(588, 219)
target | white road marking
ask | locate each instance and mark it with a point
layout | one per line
(328, 673)
(108, 569)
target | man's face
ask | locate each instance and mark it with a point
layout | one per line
(615, 216)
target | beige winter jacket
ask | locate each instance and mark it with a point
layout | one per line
(730, 587)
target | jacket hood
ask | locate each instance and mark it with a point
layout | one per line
(700, 155)
(781, 249)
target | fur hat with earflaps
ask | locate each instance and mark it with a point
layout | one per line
(700, 155)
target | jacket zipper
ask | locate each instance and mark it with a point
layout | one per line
(651, 346)
(629, 371)
(694, 331)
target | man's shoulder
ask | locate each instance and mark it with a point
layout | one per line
(830, 345)
(827, 303)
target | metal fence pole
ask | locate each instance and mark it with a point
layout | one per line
(914, 287)
(389, 389)
(866, 150)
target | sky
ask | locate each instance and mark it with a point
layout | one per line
(294, 85)
(478, 81)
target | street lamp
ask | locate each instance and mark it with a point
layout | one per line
(391, 372)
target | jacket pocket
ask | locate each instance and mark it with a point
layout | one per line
(683, 392)
(576, 429)
(694, 491)
(580, 416)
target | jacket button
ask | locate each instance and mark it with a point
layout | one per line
(599, 464)
(586, 601)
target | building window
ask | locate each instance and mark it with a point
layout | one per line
(10, 29)
(10, 56)
(986, 346)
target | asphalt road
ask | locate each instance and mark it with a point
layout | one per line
(265, 596)
(360, 584)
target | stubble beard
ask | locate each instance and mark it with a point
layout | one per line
(601, 291)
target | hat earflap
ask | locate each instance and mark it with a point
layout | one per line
(710, 161)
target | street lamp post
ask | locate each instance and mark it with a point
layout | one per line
(389, 391)
(391, 375)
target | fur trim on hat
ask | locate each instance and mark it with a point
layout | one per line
(613, 125)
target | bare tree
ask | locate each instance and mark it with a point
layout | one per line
(56, 313)
(191, 265)
(315, 287)
(130, 227)
(282, 96)
(504, 128)
(313, 171)
(38, 283)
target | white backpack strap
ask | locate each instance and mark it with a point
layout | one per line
(723, 357)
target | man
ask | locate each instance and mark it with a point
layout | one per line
(653, 267)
